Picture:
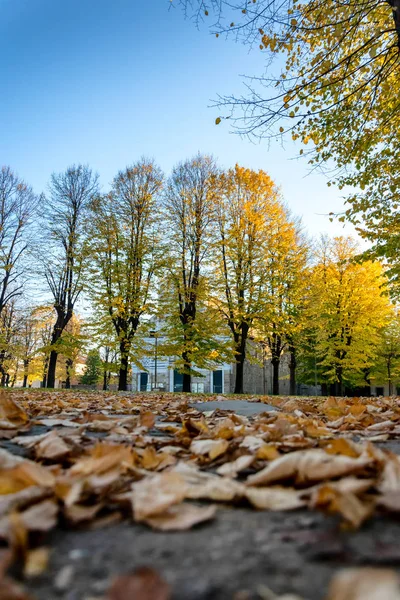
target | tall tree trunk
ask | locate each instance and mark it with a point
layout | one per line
(239, 375)
(240, 351)
(26, 367)
(186, 382)
(123, 373)
(275, 375)
(124, 349)
(105, 386)
(69, 365)
(51, 372)
(339, 383)
(292, 371)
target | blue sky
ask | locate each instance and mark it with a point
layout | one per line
(104, 82)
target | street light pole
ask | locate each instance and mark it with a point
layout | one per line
(153, 334)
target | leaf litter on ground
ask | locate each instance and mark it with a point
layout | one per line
(157, 460)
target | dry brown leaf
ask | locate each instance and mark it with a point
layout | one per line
(365, 584)
(155, 494)
(147, 419)
(103, 458)
(142, 584)
(11, 411)
(40, 517)
(390, 477)
(18, 500)
(36, 562)
(25, 474)
(181, 517)
(52, 447)
(342, 446)
(267, 452)
(275, 498)
(231, 469)
(211, 448)
(308, 466)
(77, 513)
(201, 485)
(354, 511)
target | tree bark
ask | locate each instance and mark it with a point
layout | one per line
(186, 382)
(275, 375)
(51, 372)
(105, 386)
(239, 375)
(240, 351)
(69, 364)
(26, 367)
(123, 373)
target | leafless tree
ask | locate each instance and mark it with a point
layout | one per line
(18, 204)
(64, 255)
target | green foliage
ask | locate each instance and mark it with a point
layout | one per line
(94, 368)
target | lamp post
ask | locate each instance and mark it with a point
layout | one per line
(153, 334)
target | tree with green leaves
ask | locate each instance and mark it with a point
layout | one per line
(125, 253)
(188, 211)
(94, 368)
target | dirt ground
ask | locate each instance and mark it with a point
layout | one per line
(237, 556)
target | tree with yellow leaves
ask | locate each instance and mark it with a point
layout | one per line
(252, 229)
(348, 306)
(334, 90)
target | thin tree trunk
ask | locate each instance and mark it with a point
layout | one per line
(69, 365)
(105, 386)
(26, 368)
(240, 351)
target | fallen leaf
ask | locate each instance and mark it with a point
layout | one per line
(365, 584)
(212, 448)
(202, 485)
(52, 447)
(147, 419)
(353, 510)
(142, 584)
(11, 411)
(153, 495)
(36, 562)
(275, 498)
(181, 517)
(231, 469)
(307, 466)
(342, 446)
